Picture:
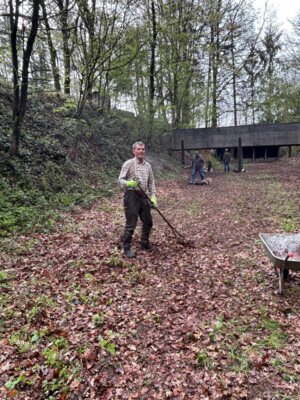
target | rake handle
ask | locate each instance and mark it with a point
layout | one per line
(174, 230)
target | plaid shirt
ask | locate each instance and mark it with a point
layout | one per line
(133, 168)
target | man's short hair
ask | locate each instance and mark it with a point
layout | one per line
(137, 144)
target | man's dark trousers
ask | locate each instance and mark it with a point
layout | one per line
(136, 205)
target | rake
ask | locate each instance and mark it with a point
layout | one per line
(178, 236)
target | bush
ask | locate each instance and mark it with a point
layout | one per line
(22, 211)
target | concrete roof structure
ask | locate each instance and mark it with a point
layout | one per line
(285, 134)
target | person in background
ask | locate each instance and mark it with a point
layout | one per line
(209, 165)
(226, 160)
(197, 167)
(136, 173)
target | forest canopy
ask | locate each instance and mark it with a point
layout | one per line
(177, 64)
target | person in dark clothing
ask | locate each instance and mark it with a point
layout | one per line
(136, 173)
(226, 160)
(197, 167)
(209, 165)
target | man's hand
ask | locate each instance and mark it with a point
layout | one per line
(132, 184)
(153, 202)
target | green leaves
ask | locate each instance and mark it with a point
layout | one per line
(13, 383)
(67, 108)
(107, 344)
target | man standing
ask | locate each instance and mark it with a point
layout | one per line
(134, 173)
(197, 167)
(226, 160)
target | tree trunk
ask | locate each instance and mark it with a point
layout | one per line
(176, 108)
(233, 80)
(152, 71)
(207, 99)
(15, 138)
(20, 97)
(215, 39)
(252, 98)
(14, 16)
(140, 92)
(52, 50)
(214, 119)
(64, 13)
(86, 88)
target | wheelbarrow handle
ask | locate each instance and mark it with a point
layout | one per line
(174, 230)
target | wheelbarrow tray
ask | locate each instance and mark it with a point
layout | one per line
(278, 245)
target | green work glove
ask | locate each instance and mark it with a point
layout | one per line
(153, 202)
(132, 184)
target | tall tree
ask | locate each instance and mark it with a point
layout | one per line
(238, 44)
(20, 83)
(215, 20)
(152, 69)
(180, 32)
(254, 69)
(270, 58)
(290, 94)
(64, 17)
(99, 38)
(52, 49)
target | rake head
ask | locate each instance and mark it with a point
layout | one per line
(186, 242)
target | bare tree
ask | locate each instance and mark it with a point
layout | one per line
(20, 83)
(152, 69)
(99, 43)
(52, 49)
(64, 15)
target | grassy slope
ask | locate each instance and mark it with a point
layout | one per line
(63, 162)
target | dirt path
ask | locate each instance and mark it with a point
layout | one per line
(78, 321)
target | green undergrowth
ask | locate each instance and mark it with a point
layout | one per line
(29, 206)
(35, 210)
(246, 345)
(65, 163)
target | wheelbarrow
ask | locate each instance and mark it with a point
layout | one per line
(283, 249)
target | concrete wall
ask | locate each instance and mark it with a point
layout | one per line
(251, 135)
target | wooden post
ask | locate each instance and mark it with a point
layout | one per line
(266, 153)
(182, 153)
(290, 152)
(240, 155)
(253, 154)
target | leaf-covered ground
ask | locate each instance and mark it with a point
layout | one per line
(78, 321)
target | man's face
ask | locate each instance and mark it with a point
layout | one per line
(139, 152)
